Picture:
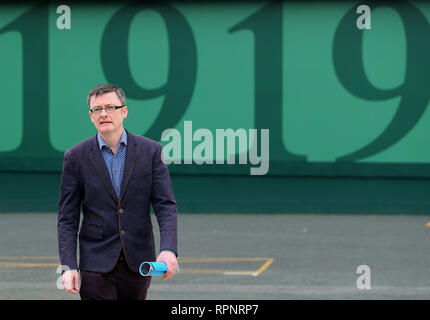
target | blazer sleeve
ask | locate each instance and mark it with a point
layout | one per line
(69, 208)
(164, 203)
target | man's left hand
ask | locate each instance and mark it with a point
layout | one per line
(172, 263)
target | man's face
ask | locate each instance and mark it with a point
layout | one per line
(107, 123)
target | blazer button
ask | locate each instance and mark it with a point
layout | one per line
(121, 210)
(122, 232)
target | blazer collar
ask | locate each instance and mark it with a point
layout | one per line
(130, 160)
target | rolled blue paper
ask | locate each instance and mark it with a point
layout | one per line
(152, 268)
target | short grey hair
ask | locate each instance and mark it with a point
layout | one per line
(105, 88)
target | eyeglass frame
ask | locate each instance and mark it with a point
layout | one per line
(97, 111)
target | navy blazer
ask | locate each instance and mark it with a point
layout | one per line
(108, 223)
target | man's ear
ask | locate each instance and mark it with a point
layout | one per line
(125, 111)
(91, 116)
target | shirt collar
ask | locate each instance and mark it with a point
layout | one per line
(102, 143)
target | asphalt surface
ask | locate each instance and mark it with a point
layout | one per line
(238, 256)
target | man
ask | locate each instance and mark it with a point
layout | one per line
(114, 176)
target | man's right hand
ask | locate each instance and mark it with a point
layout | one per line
(70, 281)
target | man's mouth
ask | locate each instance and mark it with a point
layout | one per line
(105, 122)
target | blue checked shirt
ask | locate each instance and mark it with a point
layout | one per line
(114, 162)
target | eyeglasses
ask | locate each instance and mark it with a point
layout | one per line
(108, 109)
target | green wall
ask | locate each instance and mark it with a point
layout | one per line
(346, 108)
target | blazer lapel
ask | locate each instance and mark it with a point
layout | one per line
(130, 160)
(100, 167)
